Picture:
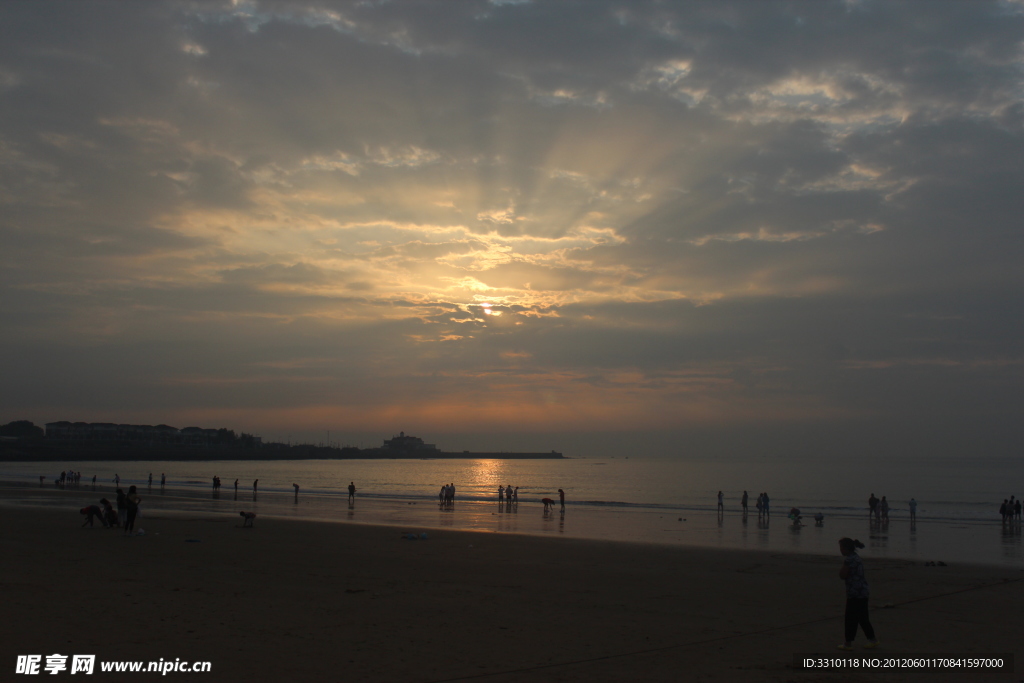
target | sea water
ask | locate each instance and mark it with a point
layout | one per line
(655, 500)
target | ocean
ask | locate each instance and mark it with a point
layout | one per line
(639, 499)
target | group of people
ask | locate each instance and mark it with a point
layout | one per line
(878, 509)
(447, 494)
(127, 511)
(1010, 510)
(508, 494)
(67, 478)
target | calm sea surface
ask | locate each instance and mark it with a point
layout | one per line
(628, 499)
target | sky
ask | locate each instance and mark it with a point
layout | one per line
(596, 227)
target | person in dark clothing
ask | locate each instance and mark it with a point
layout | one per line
(856, 594)
(122, 508)
(109, 516)
(132, 501)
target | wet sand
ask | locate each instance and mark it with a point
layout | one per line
(310, 601)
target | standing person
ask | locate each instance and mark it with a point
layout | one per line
(296, 486)
(766, 509)
(743, 502)
(254, 485)
(856, 594)
(515, 495)
(884, 508)
(117, 479)
(236, 486)
(150, 480)
(561, 498)
(351, 491)
(913, 511)
(501, 493)
(1016, 510)
(94, 480)
(122, 508)
(721, 505)
(163, 480)
(132, 501)
(760, 504)
(108, 513)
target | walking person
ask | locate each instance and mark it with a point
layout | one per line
(856, 594)
(132, 501)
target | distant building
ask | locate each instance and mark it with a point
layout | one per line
(148, 435)
(404, 444)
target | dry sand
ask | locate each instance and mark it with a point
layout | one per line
(306, 601)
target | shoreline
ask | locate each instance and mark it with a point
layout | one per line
(983, 544)
(307, 600)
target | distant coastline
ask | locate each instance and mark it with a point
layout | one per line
(109, 442)
(25, 452)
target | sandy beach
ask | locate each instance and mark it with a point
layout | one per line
(309, 601)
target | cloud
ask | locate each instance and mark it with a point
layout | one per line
(709, 213)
